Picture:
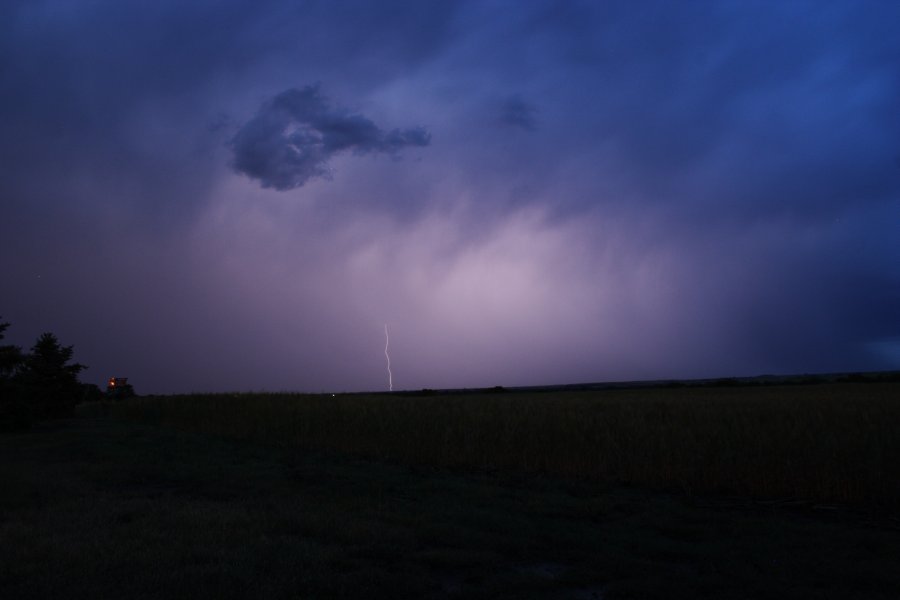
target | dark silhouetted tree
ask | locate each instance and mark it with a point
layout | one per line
(91, 393)
(10, 357)
(48, 380)
(14, 412)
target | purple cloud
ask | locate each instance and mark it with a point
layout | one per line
(707, 189)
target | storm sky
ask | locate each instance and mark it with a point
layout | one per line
(239, 195)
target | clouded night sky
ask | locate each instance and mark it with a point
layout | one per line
(240, 195)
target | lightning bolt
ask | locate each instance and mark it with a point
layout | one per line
(387, 342)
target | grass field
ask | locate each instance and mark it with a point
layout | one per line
(828, 443)
(100, 507)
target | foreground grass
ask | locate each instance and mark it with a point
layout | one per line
(97, 507)
(833, 442)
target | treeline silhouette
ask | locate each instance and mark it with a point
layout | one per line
(40, 384)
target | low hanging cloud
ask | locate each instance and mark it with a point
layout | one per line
(516, 112)
(294, 135)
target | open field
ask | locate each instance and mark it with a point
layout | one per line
(98, 507)
(826, 443)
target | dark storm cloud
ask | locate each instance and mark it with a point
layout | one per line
(518, 113)
(121, 93)
(294, 135)
(708, 188)
(738, 108)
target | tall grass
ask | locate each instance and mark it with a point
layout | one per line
(830, 442)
